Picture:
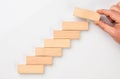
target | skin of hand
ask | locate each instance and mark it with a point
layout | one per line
(113, 14)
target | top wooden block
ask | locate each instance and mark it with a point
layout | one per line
(87, 14)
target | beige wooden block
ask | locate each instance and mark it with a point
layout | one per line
(33, 60)
(30, 69)
(87, 14)
(48, 51)
(74, 26)
(62, 43)
(66, 34)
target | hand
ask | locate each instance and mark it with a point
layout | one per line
(113, 14)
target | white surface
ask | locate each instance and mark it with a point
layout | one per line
(24, 24)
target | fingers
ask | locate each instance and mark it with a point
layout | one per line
(106, 27)
(115, 16)
(115, 8)
(104, 12)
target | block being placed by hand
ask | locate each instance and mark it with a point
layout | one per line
(58, 34)
(30, 69)
(74, 26)
(86, 14)
(48, 51)
(61, 43)
(34, 60)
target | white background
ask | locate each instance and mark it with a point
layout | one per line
(24, 24)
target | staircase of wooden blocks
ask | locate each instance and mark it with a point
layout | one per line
(53, 47)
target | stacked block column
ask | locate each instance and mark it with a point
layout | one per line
(53, 47)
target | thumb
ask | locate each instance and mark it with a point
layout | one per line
(107, 28)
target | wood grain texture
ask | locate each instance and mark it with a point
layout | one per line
(30, 69)
(58, 34)
(48, 51)
(74, 26)
(33, 60)
(62, 43)
(87, 14)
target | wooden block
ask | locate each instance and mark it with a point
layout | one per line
(66, 34)
(74, 26)
(62, 43)
(30, 69)
(48, 51)
(33, 60)
(87, 14)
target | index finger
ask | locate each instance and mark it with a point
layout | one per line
(115, 16)
(104, 12)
